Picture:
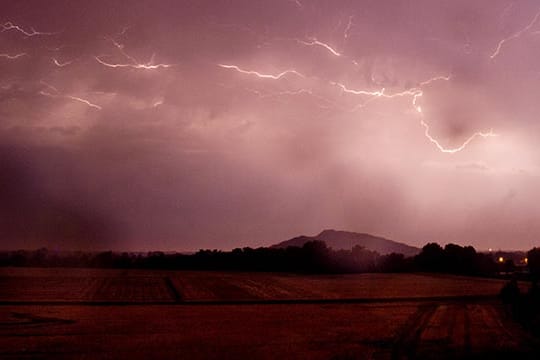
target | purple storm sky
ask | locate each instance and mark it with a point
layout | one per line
(179, 125)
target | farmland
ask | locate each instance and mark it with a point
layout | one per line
(126, 314)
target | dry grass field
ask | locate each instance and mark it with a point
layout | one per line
(76, 285)
(134, 314)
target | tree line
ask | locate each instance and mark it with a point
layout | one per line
(524, 306)
(312, 257)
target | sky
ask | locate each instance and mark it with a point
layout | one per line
(181, 125)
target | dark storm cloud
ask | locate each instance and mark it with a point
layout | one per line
(31, 216)
(194, 155)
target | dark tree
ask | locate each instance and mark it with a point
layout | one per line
(533, 262)
(431, 258)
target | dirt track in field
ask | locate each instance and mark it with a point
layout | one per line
(461, 330)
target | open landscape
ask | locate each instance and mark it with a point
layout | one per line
(130, 314)
(271, 179)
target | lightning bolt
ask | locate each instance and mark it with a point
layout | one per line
(373, 95)
(434, 141)
(345, 89)
(433, 79)
(348, 28)
(315, 42)
(456, 149)
(260, 75)
(60, 64)
(514, 36)
(32, 32)
(12, 57)
(133, 63)
(56, 94)
(281, 93)
(84, 101)
(120, 48)
(146, 66)
(123, 59)
(416, 93)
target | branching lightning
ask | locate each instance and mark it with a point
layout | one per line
(12, 57)
(441, 148)
(57, 94)
(514, 36)
(260, 75)
(120, 58)
(315, 42)
(358, 92)
(32, 32)
(144, 66)
(133, 63)
(416, 93)
(262, 95)
(427, 134)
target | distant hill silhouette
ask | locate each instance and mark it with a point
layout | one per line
(347, 240)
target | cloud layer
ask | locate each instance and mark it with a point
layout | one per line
(120, 129)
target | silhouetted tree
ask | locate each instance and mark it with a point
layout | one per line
(393, 263)
(431, 258)
(316, 255)
(313, 256)
(533, 262)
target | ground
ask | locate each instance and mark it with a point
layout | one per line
(116, 314)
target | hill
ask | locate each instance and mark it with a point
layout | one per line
(347, 240)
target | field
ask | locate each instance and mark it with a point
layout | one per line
(134, 314)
